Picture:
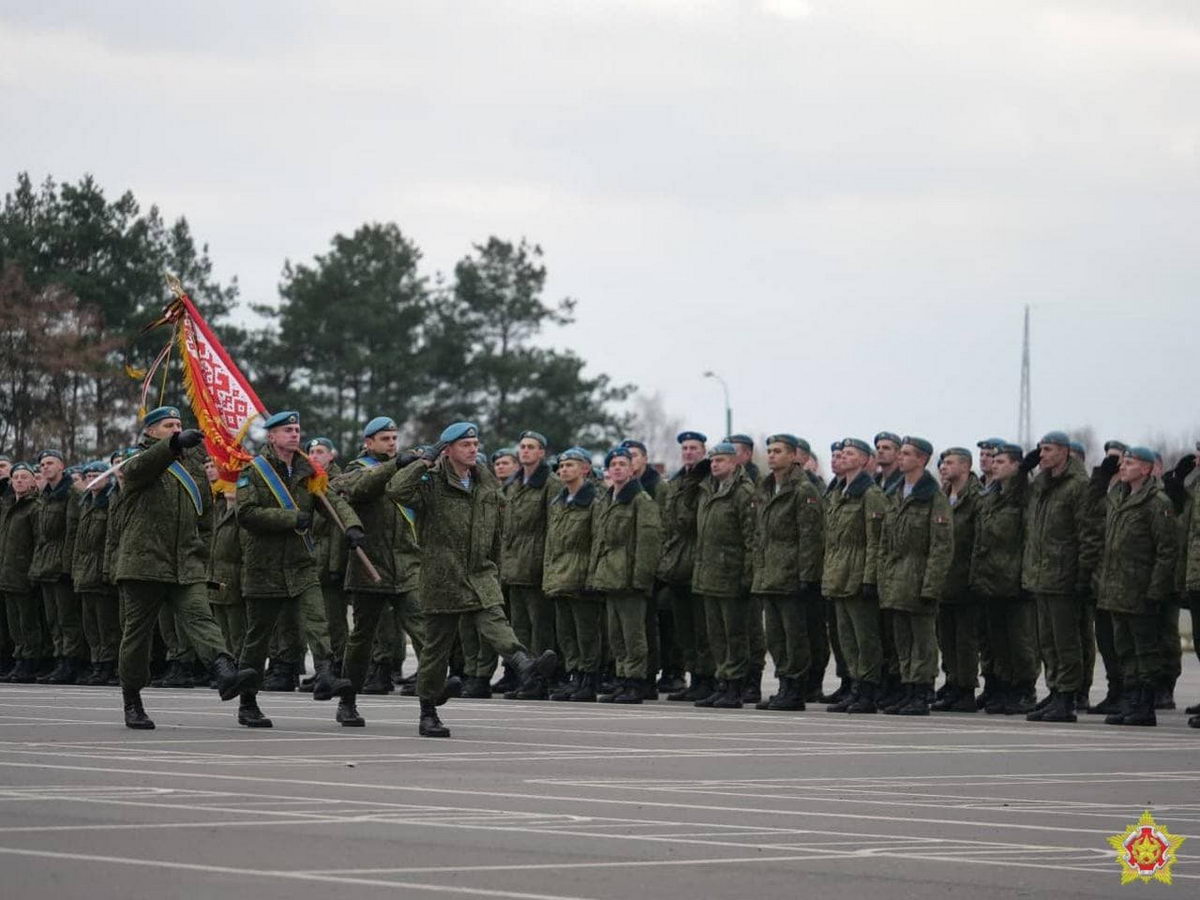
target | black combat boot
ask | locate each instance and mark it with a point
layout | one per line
(64, 672)
(918, 701)
(327, 685)
(1141, 711)
(999, 699)
(1061, 708)
(586, 691)
(671, 682)
(1111, 702)
(177, 676)
(790, 697)
(1124, 707)
(718, 688)
(947, 698)
(279, 677)
(528, 667)
(307, 683)
(613, 692)
(752, 686)
(477, 688)
(965, 701)
(408, 686)
(568, 688)
(892, 692)
(231, 680)
(7, 665)
(431, 725)
(843, 703)
(249, 714)
(135, 713)
(44, 677)
(845, 686)
(864, 699)
(91, 679)
(24, 673)
(347, 712)
(1194, 722)
(633, 692)
(451, 688)
(534, 688)
(765, 703)
(379, 679)
(112, 678)
(1038, 713)
(899, 701)
(1020, 700)
(1164, 697)
(649, 689)
(731, 697)
(507, 682)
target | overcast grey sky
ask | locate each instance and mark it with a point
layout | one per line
(840, 206)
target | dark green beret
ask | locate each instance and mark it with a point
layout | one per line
(851, 443)
(743, 439)
(957, 451)
(783, 438)
(887, 436)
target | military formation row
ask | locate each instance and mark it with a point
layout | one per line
(623, 575)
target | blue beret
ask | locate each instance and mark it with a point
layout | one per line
(920, 443)
(159, 413)
(992, 443)
(691, 436)
(95, 467)
(743, 439)
(1077, 447)
(22, 467)
(378, 424)
(505, 451)
(1115, 445)
(957, 451)
(576, 453)
(1011, 449)
(1056, 437)
(57, 454)
(836, 446)
(887, 436)
(458, 431)
(857, 444)
(802, 444)
(1145, 454)
(724, 448)
(73, 470)
(4, 457)
(615, 452)
(631, 442)
(287, 417)
(320, 442)
(784, 438)
(535, 435)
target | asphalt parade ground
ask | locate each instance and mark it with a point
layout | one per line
(567, 801)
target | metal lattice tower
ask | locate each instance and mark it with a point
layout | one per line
(1025, 416)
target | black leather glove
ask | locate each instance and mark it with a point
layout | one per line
(303, 520)
(186, 440)
(1110, 465)
(355, 537)
(434, 453)
(1031, 460)
(870, 592)
(406, 458)
(1184, 467)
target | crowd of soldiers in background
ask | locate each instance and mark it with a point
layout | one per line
(638, 584)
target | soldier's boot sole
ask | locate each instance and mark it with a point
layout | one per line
(242, 681)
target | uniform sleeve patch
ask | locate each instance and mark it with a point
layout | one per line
(243, 481)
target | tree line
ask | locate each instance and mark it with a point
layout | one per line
(358, 331)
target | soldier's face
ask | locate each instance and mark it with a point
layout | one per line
(5, 468)
(985, 460)
(321, 454)
(51, 469)
(620, 470)
(780, 456)
(210, 471)
(572, 471)
(954, 467)
(835, 462)
(530, 452)
(503, 467)
(463, 452)
(691, 452)
(744, 454)
(853, 460)
(164, 429)
(101, 483)
(722, 465)
(910, 459)
(381, 444)
(638, 459)
(886, 453)
(285, 438)
(1134, 470)
(1004, 466)
(76, 478)
(1053, 455)
(23, 482)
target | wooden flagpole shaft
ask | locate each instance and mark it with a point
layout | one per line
(359, 551)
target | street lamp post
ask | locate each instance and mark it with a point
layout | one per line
(728, 411)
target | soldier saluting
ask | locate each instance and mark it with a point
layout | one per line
(160, 559)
